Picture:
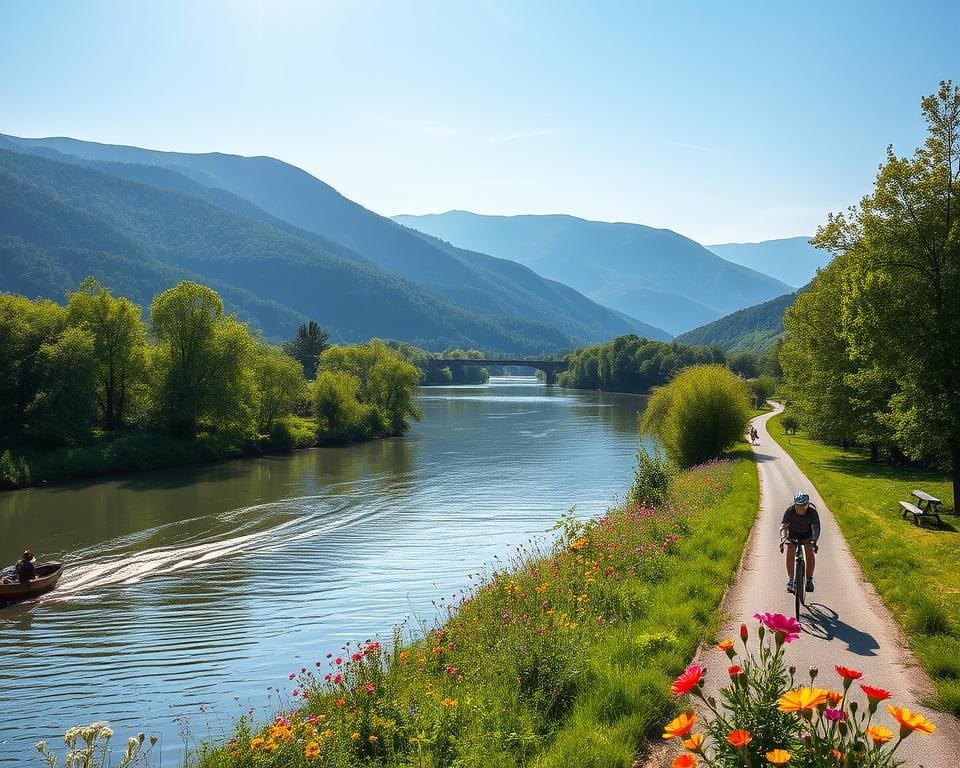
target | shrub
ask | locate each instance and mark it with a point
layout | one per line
(790, 424)
(699, 414)
(14, 471)
(651, 478)
(761, 389)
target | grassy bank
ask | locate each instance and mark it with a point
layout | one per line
(120, 452)
(914, 569)
(562, 658)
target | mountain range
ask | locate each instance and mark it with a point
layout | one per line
(280, 245)
(655, 275)
(792, 260)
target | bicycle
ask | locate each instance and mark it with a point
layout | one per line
(799, 572)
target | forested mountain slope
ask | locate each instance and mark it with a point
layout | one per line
(655, 275)
(288, 197)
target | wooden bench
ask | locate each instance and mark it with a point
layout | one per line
(913, 509)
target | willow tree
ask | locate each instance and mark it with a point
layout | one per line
(900, 309)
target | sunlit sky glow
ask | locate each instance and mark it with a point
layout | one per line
(726, 121)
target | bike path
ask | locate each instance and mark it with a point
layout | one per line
(844, 621)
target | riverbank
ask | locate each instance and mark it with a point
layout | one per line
(563, 656)
(912, 568)
(115, 453)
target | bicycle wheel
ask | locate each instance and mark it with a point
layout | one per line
(799, 582)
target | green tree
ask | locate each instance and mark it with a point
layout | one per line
(311, 340)
(119, 345)
(899, 311)
(698, 415)
(203, 363)
(387, 382)
(336, 403)
(25, 325)
(64, 408)
(280, 383)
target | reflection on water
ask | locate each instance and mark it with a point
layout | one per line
(204, 587)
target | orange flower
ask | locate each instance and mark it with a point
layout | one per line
(834, 698)
(778, 757)
(725, 646)
(740, 738)
(878, 734)
(681, 725)
(802, 699)
(911, 721)
(685, 761)
(694, 743)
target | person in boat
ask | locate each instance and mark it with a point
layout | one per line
(26, 571)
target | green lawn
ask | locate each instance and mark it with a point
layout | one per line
(915, 569)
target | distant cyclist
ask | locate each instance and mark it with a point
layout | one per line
(801, 522)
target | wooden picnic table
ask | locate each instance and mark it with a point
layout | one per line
(926, 502)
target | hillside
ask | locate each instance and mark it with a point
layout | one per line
(288, 197)
(752, 329)
(655, 275)
(60, 221)
(792, 260)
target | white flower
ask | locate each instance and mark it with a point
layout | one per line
(41, 747)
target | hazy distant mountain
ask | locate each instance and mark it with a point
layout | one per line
(655, 275)
(792, 260)
(513, 305)
(752, 329)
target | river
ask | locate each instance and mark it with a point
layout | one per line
(190, 595)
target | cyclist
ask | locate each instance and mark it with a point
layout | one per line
(801, 522)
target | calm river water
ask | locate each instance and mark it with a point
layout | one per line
(190, 595)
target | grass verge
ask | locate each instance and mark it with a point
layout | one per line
(563, 658)
(912, 568)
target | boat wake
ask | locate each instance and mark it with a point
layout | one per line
(113, 564)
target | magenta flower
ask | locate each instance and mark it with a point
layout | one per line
(835, 714)
(786, 628)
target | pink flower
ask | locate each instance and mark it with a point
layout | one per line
(786, 628)
(835, 714)
(338, 660)
(687, 681)
(369, 687)
(338, 679)
(292, 675)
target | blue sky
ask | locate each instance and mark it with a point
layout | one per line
(725, 121)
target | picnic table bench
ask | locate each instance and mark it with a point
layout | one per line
(927, 506)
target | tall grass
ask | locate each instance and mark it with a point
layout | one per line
(562, 657)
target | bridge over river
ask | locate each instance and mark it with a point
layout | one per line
(550, 368)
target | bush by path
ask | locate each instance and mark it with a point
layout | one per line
(914, 569)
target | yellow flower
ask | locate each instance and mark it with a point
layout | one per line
(354, 736)
(725, 646)
(448, 702)
(802, 699)
(578, 544)
(694, 742)
(311, 751)
(778, 757)
(681, 725)
(879, 735)
(257, 742)
(372, 739)
(911, 721)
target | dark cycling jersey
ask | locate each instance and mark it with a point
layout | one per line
(803, 527)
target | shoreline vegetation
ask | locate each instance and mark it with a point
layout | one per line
(91, 389)
(922, 595)
(560, 657)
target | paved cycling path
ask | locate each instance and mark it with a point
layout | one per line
(850, 625)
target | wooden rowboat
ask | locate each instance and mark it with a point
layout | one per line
(47, 576)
